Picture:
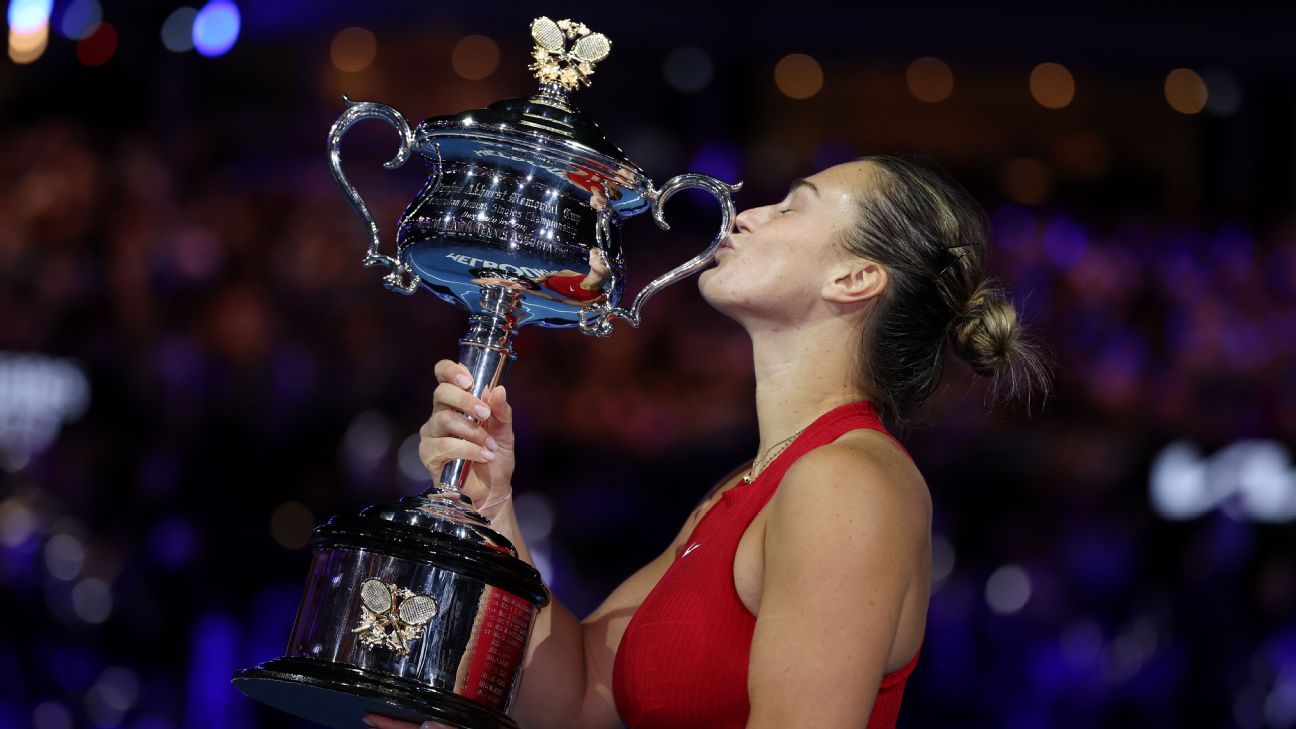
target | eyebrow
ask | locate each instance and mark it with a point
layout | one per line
(802, 182)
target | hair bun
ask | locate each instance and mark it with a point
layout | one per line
(986, 334)
(988, 337)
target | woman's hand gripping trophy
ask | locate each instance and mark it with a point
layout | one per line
(486, 441)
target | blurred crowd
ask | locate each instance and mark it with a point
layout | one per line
(247, 378)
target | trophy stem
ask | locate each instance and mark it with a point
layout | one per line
(486, 350)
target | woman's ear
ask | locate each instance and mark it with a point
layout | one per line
(855, 280)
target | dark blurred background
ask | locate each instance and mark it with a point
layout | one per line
(195, 369)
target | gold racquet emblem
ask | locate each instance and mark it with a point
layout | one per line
(555, 62)
(392, 617)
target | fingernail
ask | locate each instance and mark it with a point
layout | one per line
(491, 444)
(482, 411)
(464, 381)
(488, 455)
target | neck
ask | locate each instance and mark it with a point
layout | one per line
(801, 373)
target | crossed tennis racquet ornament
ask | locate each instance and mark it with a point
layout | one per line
(393, 617)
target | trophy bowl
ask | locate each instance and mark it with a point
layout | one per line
(418, 609)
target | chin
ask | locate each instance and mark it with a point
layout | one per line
(712, 292)
(702, 280)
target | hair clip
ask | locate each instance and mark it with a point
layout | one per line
(957, 257)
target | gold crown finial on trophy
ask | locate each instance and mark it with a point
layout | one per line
(558, 63)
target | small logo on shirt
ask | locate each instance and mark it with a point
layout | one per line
(690, 548)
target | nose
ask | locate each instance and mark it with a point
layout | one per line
(745, 220)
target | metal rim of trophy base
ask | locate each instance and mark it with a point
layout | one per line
(310, 689)
(493, 565)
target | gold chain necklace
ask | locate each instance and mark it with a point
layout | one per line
(771, 454)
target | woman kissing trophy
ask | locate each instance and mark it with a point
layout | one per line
(418, 609)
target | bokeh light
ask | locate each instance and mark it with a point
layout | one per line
(79, 18)
(92, 600)
(367, 440)
(930, 80)
(1051, 85)
(408, 461)
(28, 29)
(291, 524)
(1008, 589)
(535, 515)
(798, 76)
(1252, 479)
(64, 556)
(1064, 242)
(38, 394)
(353, 49)
(216, 28)
(688, 69)
(177, 30)
(26, 16)
(98, 47)
(17, 522)
(112, 695)
(27, 46)
(51, 715)
(475, 57)
(1026, 180)
(1185, 91)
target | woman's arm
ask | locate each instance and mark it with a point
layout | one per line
(567, 682)
(845, 544)
(568, 677)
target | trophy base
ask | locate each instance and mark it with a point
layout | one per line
(339, 696)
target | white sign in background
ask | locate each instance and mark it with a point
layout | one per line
(38, 394)
(1251, 479)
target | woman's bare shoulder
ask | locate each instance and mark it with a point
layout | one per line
(862, 474)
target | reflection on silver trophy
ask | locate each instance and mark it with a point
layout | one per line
(418, 609)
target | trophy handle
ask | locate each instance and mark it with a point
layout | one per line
(599, 321)
(401, 277)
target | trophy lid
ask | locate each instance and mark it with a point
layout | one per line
(563, 59)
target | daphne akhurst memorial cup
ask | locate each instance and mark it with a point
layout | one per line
(418, 609)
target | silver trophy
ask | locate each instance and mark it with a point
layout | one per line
(418, 609)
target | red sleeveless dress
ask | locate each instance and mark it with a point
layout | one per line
(682, 663)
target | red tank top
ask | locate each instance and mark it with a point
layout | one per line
(682, 663)
(570, 286)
